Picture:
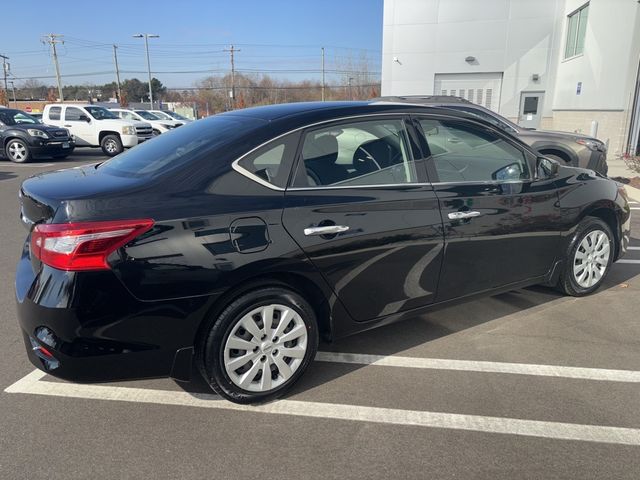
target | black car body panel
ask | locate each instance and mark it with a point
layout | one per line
(217, 232)
(57, 143)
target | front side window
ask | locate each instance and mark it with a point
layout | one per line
(464, 152)
(73, 114)
(576, 31)
(54, 113)
(356, 154)
(146, 115)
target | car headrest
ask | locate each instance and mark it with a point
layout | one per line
(324, 147)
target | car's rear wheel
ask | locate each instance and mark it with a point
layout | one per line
(588, 259)
(111, 145)
(18, 151)
(259, 345)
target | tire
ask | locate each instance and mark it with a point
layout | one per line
(18, 151)
(237, 373)
(592, 233)
(111, 145)
(156, 132)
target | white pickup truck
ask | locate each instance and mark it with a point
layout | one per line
(95, 126)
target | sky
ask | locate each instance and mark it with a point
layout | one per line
(279, 37)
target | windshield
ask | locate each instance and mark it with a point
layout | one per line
(162, 115)
(180, 146)
(177, 116)
(146, 115)
(100, 113)
(16, 117)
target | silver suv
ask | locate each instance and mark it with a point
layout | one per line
(566, 147)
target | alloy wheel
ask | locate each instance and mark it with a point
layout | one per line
(111, 146)
(591, 259)
(17, 151)
(265, 348)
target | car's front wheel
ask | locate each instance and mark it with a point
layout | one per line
(18, 151)
(111, 145)
(259, 345)
(588, 259)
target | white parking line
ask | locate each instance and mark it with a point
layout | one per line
(628, 261)
(633, 248)
(31, 165)
(477, 423)
(599, 374)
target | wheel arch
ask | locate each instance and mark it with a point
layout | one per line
(558, 150)
(299, 283)
(14, 136)
(104, 133)
(607, 212)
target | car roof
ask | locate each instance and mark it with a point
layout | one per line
(424, 99)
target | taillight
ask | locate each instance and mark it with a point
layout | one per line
(85, 245)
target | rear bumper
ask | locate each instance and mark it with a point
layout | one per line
(597, 161)
(94, 330)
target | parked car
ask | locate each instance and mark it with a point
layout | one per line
(24, 138)
(238, 240)
(567, 148)
(95, 126)
(169, 115)
(37, 116)
(159, 126)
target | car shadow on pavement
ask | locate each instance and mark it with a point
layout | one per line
(421, 330)
(7, 175)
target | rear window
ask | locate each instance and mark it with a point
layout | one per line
(180, 146)
(54, 113)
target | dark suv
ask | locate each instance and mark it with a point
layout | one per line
(24, 137)
(568, 148)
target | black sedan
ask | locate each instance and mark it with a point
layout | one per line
(235, 242)
(24, 138)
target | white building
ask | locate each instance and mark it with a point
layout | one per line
(553, 64)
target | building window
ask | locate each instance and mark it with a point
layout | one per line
(576, 30)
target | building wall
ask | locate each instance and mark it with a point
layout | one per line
(520, 38)
(512, 37)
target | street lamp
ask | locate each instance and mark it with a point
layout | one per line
(146, 37)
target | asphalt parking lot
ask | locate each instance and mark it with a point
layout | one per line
(528, 384)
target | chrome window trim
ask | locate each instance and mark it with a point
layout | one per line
(246, 173)
(242, 171)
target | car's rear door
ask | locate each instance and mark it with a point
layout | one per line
(360, 208)
(501, 227)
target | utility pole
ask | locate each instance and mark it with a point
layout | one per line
(13, 89)
(115, 59)
(322, 74)
(232, 51)
(53, 39)
(350, 91)
(5, 70)
(146, 37)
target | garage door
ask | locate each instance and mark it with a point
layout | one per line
(480, 88)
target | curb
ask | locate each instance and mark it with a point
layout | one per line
(633, 193)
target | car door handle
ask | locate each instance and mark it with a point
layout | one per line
(326, 230)
(68, 125)
(463, 215)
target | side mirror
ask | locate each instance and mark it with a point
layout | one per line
(546, 168)
(84, 118)
(513, 171)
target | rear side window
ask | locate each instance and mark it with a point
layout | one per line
(54, 113)
(464, 152)
(190, 143)
(356, 154)
(272, 162)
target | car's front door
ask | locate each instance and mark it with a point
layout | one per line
(360, 208)
(75, 120)
(501, 227)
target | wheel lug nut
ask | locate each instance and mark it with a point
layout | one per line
(275, 339)
(263, 358)
(275, 352)
(263, 337)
